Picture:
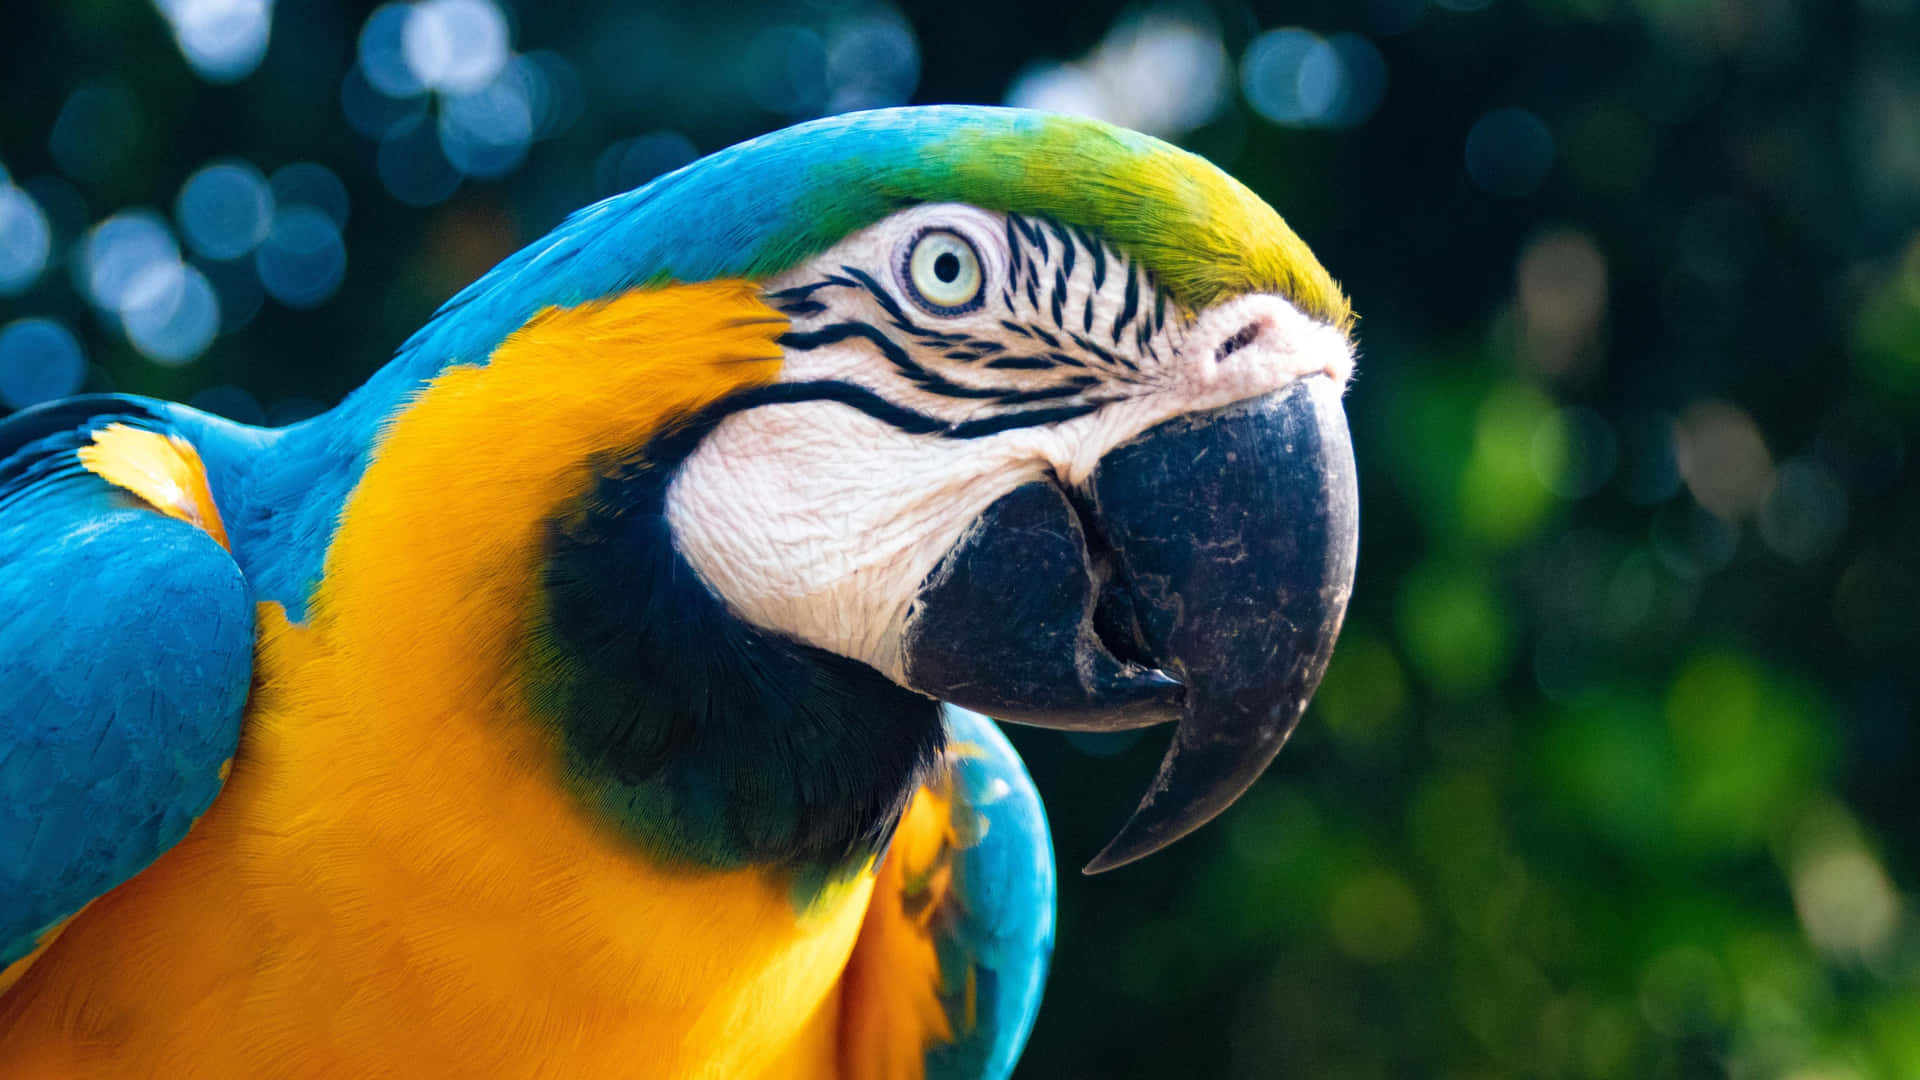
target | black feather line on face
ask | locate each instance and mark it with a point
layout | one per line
(1105, 357)
(994, 425)
(802, 292)
(1070, 388)
(885, 299)
(834, 333)
(899, 416)
(1029, 253)
(1129, 304)
(1066, 245)
(1032, 234)
(1099, 252)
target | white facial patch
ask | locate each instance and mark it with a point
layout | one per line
(820, 519)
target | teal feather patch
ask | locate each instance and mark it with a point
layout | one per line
(997, 938)
(125, 656)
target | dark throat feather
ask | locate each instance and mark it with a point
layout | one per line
(703, 739)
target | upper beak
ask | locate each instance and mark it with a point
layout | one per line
(1201, 576)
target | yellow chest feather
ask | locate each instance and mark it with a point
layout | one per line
(379, 898)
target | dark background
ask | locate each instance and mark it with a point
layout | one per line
(1614, 771)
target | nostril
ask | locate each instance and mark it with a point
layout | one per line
(1240, 340)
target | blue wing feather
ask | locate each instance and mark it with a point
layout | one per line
(1001, 927)
(125, 655)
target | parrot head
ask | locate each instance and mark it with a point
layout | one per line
(1055, 435)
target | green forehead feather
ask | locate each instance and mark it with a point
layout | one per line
(1203, 233)
(766, 205)
(796, 192)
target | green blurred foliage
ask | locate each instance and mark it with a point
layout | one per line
(1613, 772)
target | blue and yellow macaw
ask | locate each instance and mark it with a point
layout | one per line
(593, 693)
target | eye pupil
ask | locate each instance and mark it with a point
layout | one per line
(941, 270)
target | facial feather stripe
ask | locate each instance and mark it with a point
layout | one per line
(879, 408)
(1059, 282)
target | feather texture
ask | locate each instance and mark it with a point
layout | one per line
(124, 658)
(946, 979)
(398, 879)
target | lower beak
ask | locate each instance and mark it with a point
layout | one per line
(1201, 576)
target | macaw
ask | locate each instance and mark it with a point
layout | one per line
(602, 688)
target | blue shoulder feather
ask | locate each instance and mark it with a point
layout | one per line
(995, 945)
(125, 653)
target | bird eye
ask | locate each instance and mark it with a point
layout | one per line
(943, 272)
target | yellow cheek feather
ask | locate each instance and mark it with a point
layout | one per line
(394, 883)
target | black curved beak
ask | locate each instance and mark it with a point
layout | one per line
(1201, 577)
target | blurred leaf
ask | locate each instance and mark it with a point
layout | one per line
(1455, 626)
(1375, 916)
(1363, 697)
(1887, 331)
(1748, 749)
(1503, 498)
(1607, 755)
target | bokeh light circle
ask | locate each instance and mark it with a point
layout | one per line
(554, 90)
(383, 59)
(303, 259)
(1068, 89)
(26, 239)
(372, 112)
(1805, 512)
(94, 133)
(456, 46)
(305, 183)
(223, 40)
(787, 70)
(485, 133)
(872, 62)
(1159, 72)
(224, 210)
(631, 162)
(1292, 77)
(40, 360)
(175, 317)
(1363, 81)
(125, 257)
(1509, 152)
